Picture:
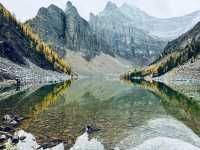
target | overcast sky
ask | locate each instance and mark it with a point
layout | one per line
(25, 9)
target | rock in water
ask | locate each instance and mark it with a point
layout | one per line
(13, 123)
(83, 143)
(15, 139)
(7, 118)
(2, 147)
(27, 141)
(22, 138)
(6, 129)
(90, 129)
(2, 138)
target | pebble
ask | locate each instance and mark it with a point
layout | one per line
(18, 119)
(22, 138)
(47, 145)
(12, 120)
(2, 147)
(90, 129)
(7, 118)
(2, 138)
(13, 123)
(6, 129)
(15, 139)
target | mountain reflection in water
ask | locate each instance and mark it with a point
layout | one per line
(118, 109)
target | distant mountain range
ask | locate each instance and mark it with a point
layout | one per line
(167, 29)
(67, 30)
(123, 31)
(128, 41)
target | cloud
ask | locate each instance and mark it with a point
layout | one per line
(167, 8)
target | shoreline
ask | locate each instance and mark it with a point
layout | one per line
(7, 90)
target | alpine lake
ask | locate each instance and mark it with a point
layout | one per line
(128, 114)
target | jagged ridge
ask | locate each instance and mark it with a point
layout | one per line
(67, 30)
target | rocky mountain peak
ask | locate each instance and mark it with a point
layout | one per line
(42, 11)
(92, 15)
(132, 12)
(71, 9)
(51, 9)
(110, 6)
(52, 6)
(69, 5)
(125, 5)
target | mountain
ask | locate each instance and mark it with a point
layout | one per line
(168, 29)
(127, 41)
(180, 59)
(23, 56)
(67, 30)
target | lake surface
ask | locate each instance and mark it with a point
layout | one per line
(131, 115)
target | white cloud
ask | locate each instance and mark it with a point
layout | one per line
(167, 8)
(25, 9)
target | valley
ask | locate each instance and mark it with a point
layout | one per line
(120, 79)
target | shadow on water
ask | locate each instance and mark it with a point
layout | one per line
(175, 103)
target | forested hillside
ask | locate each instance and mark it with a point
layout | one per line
(179, 51)
(21, 47)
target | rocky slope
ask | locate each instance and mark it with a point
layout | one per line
(180, 58)
(125, 38)
(188, 73)
(102, 64)
(67, 30)
(24, 57)
(188, 65)
(169, 28)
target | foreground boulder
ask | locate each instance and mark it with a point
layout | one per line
(26, 141)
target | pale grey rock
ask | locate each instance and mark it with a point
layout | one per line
(126, 40)
(67, 30)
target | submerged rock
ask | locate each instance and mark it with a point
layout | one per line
(2, 147)
(7, 118)
(26, 141)
(12, 120)
(90, 129)
(161, 134)
(6, 129)
(165, 143)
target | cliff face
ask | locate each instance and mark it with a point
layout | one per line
(22, 55)
(108, 34)
(67, 30)
(125, 38)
